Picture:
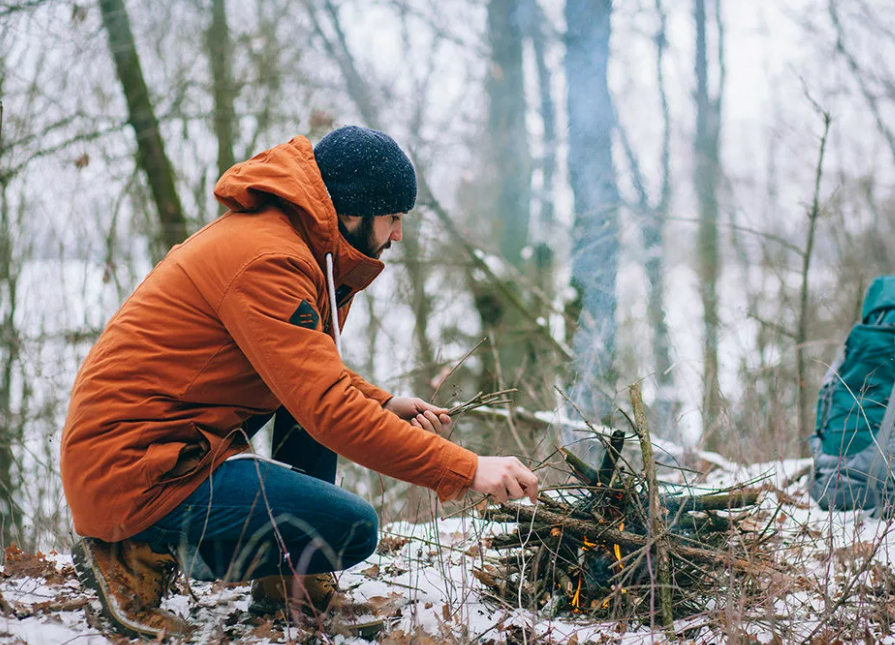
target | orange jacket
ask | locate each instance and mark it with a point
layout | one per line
(231, 324)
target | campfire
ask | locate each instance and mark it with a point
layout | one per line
(616, 542)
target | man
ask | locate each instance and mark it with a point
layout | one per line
(242, 320)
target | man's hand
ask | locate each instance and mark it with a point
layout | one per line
(419, 413)
(505, 478)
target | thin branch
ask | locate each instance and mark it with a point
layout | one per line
(456, 367)
(657, 523)
(872, 100)
(9, 8)
(802, 331)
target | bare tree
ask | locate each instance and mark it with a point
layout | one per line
(219, 49)
(654, 217)
(706, 178)
(150, 146)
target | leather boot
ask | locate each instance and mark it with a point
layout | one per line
(130, 580)
(315, 596)
(312, 594)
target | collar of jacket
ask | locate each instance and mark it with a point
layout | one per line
(289, 173)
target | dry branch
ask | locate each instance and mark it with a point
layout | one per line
(620, 537)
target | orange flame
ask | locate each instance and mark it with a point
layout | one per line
(576, 599)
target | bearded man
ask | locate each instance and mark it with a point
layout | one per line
(240, 322)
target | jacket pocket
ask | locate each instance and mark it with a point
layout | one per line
(165, 462)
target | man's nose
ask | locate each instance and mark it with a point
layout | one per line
(397, 233)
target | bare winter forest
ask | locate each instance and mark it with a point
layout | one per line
(691, 195)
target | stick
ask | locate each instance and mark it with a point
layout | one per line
(480, 400)
(610, 459)
(657, 525)
(455, 368)
(583, 471)
(583, 528)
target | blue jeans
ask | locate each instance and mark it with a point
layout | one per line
(251, 518)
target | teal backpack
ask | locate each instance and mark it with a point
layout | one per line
(857, 389)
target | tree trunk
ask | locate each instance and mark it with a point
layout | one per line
(653, 241)
(150, 147)
(706, 179)
(219, 58)
(592, 174)
(509, 166)
(10, 427)
(509, 152)
(548, 116)
(421, 304)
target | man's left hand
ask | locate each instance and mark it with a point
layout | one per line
(419, 413)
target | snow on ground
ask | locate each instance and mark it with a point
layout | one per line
(841, 583)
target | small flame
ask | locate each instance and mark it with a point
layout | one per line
(616, 549)
(588, 544)
(576, 599)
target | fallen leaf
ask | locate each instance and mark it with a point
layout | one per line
(386, 605)
(391, 544)
(371, 572)
(18, 564)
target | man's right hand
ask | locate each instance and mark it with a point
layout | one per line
(505, 478)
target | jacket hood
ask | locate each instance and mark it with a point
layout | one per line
(289, 173)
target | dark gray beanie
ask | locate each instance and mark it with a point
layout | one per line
(365, 172)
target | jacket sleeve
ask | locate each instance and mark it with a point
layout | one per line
(302, 368)
(368, 389)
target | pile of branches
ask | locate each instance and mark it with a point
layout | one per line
(618, 543)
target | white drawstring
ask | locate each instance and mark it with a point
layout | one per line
(331, 283)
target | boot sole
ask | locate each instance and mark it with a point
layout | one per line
(91, 578)
(367, 631)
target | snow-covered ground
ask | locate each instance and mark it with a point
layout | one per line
(839, 587)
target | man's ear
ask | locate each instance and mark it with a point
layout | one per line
(350, 222)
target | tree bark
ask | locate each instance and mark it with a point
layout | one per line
(509, 193)
(592, 173)
(10, 428)
(509, 152)
(654, 242)
(150, 147)
(219, 58)
(706, 179)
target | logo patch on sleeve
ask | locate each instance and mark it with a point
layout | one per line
(305, 316)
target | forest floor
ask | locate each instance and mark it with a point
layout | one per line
(840, 588)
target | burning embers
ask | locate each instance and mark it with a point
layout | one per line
(616, 544)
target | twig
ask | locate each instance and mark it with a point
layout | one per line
(481, 400)
(455, 368)
(802, 331)
(582, 528)
(657, 524)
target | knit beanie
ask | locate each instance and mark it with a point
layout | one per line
(365, 172)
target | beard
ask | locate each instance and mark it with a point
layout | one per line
(362, 238)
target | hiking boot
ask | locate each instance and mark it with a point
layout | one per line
(313, 596)
(130, 580)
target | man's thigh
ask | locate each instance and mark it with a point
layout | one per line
(250, 509)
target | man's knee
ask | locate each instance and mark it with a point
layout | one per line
(365, 533)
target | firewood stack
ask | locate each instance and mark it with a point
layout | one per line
(619, 544)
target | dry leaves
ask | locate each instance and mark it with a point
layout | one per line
(19, 564)
(391, 544)
(419, 637)
(386, 606)
(371, 572)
